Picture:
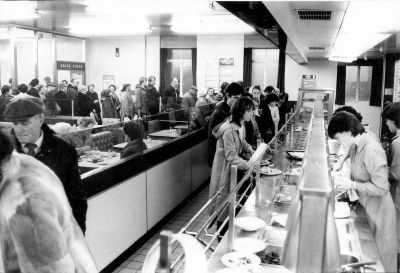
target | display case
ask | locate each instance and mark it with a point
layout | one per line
(307, 97)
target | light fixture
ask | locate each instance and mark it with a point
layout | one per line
(343, 59)
(365, 57)
(381, 49)
(18, 10)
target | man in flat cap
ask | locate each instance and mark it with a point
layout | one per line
(35, 138)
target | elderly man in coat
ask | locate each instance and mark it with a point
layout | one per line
(37, 230)
(35, 138)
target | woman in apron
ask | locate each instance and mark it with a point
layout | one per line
(369, 177)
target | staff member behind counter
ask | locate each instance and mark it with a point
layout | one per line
(369, 177)
(35, 138)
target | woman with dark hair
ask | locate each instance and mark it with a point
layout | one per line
(231, 144)
(115, 99)
(350, 110)
(270, 115)
(135, 132)
(391, 113)
(369, 177)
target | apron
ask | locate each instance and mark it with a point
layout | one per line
(369, 165)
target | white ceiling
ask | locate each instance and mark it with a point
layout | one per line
(308, 33)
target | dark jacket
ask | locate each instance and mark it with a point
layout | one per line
(34, 92)
(72, 95)
(63, 160)
(153, 100)
(221, 112)
(83, 105)
(134, 147)
(65, 105)
(4, 100)
(92, 96)
(171, 98)
(108, 106)
(141, 99)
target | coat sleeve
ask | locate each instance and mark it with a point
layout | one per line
(36, 238)
(138, 95)
(75, 191)
(395, 160)
(231, 154)
(376, 165)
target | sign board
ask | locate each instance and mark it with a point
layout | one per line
(108, 80)
(61, 65)
(396, 85)
(388, 91)
(309, 81)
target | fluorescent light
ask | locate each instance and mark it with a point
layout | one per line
(18, 10)
(342, 59)
(213, 24)
(101, 26)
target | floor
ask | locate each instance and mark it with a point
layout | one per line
(134, 263)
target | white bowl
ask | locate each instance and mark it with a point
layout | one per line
(248, 245)
(249, 223)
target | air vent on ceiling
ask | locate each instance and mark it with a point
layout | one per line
(314, 14)
(316, 48)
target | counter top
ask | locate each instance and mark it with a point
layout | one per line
(267, 209)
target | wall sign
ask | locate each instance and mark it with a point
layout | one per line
(61, 65)
(309, 81)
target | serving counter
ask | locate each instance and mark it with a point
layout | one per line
(311, 240)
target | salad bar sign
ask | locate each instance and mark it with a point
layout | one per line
(61, 65)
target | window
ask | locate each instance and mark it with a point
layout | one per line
(179, 64)
(358, 83)
(265, 67)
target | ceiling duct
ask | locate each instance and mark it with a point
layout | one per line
(314, 14)
(316, 48)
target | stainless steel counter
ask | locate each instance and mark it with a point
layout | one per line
(363, 244)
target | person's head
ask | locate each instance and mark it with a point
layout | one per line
(391, 113)
(60, 128)
(134, 130)
(46, 80)
(143, 81)
(86, 123)
(91, 87)
(232, 92)
(74, 82)
(106, 93)
(82, 89)
(26, 114)
(14, 91)
(112, 88)
(210, 92)
(5, 90)
(23, 88)
(267, 90)
(65, 82)
(42, 90)
(242, 110)
(224, 85)
(6, 149)
(34, 83)
(255, 90)
(256, 103)
(350, 110)
(193, 90)
(277, 91)
(174, 82)
(344, 127)
(152, 80)
(126, 87)
(272, 100)
(62, 87)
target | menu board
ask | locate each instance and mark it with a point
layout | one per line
(218, 70)
(396, 87)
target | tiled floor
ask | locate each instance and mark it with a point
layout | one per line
(135, 262)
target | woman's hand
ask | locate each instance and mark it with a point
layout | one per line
(344, 183)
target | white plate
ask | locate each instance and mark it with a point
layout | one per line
(270, 171)
(232, 270)
(249, 223)
(249, 245)
(240, 260)
(264, 162)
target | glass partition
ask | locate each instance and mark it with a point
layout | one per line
(103, 146)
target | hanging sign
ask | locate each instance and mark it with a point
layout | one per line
(61, 65)
(309, 81)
